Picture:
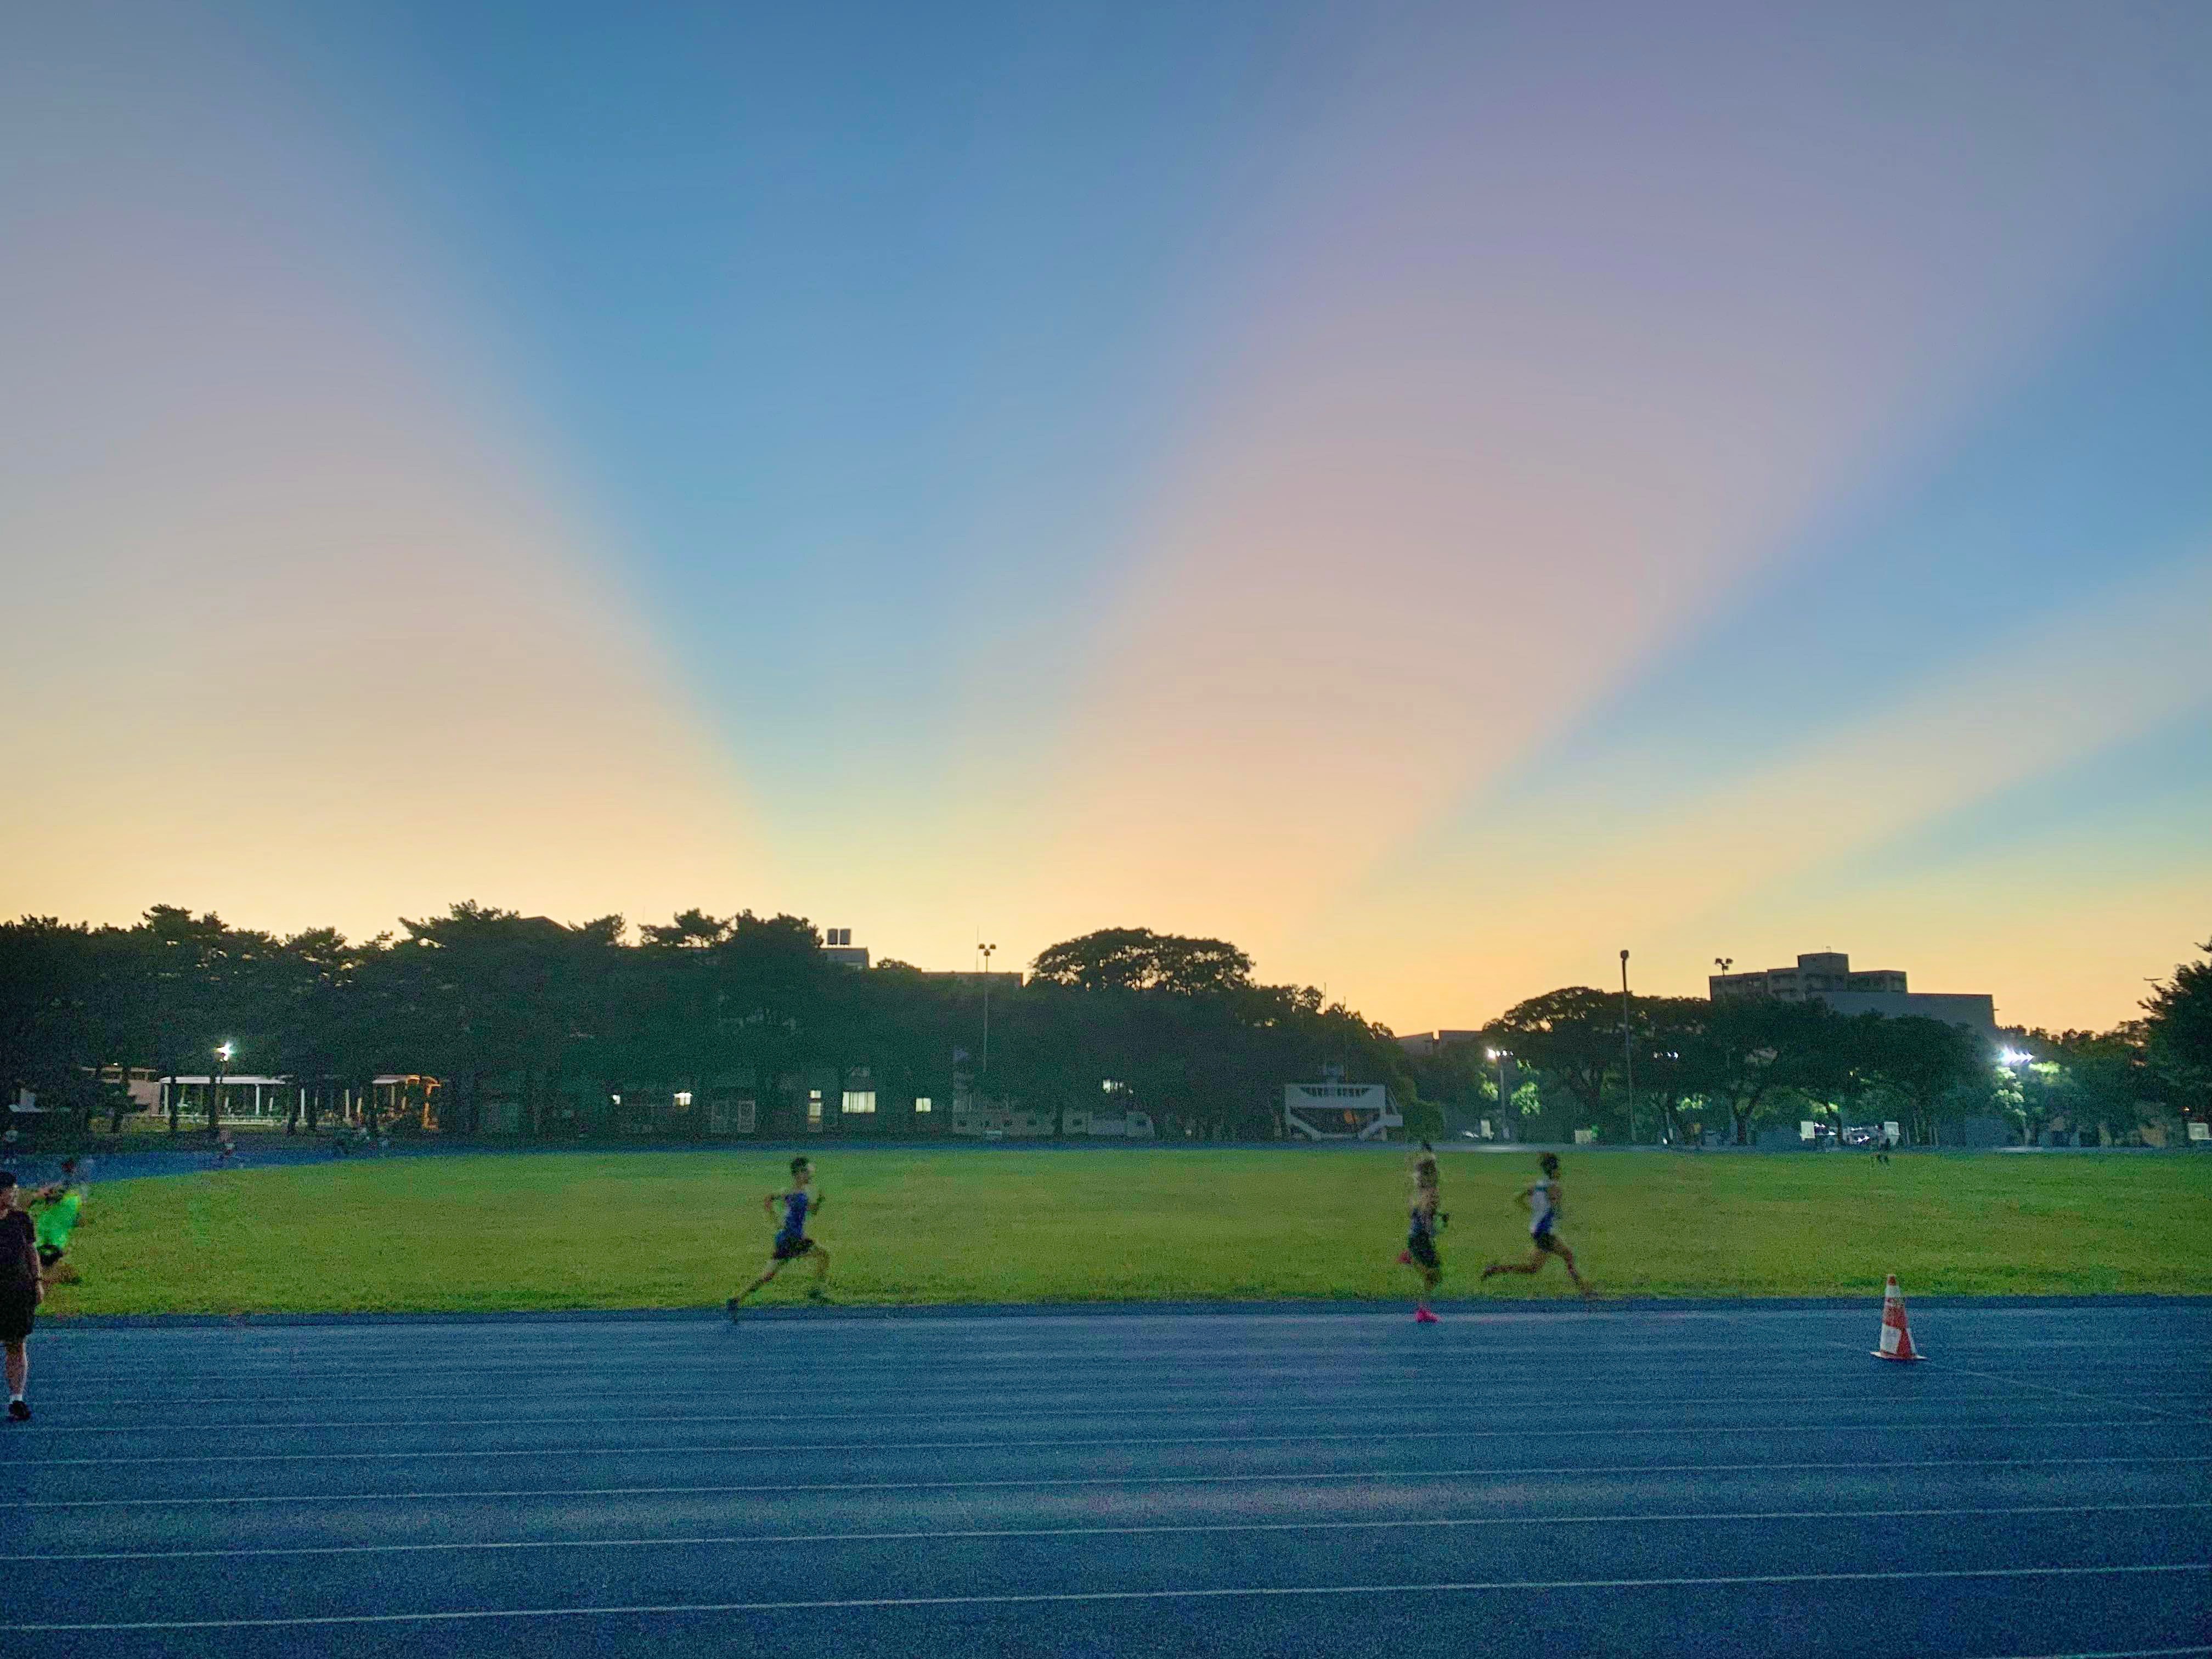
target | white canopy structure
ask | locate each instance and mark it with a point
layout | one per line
(1338, 1111)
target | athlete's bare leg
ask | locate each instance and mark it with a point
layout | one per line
(1567, 1260)
(1534, 1264)
(766, 1273)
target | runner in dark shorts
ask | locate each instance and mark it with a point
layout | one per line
(1420, 1251)
(21, 1292)
(1545, 1200)
(791, 1239)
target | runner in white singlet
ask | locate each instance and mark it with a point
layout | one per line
(1546, 1200)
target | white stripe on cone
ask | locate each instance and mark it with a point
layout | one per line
(1896, 1336)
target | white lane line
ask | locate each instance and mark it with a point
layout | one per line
(1395, 1365)
(718, 1341)
(783, 1488)
(1882, 1412)
(2114, 1653)
(1624, 1355)
(1502, 1397)
(1940, 1366)
(1034, 1598)
(1110, 1532)
(783, 1448)
(2076, 1394)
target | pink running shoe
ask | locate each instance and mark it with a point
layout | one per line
(1423, 1316)
(1405, 1258)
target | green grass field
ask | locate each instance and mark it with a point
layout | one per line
(677, 1230)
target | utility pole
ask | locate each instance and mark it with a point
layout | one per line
(1627, 1048)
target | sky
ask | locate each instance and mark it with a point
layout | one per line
(1437, 495)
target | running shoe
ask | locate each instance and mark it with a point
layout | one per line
(733, 1305)
(19, 1411)
(1405, 1258)
(818, 1296)
(1423, 1316)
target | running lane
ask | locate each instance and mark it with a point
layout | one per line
(1708, 1481)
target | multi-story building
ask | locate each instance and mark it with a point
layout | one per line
(1827, 976)
(837, 946)
(1426, 1045)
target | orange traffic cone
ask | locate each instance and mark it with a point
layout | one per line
(1896, 1338)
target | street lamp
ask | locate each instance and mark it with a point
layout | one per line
(1498, 1057)
(222, 1054)
(983, 1071)
(1627, 1050)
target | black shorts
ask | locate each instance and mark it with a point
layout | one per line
(1421, 1245)
(788, 1250)
(18, 1311)
(48, 1255)
(1544, 1241)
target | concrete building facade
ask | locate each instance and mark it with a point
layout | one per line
(1827, 976)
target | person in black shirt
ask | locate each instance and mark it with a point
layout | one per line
(21, 1291)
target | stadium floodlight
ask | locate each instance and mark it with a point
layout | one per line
(2013, 1057)
(223, 1051)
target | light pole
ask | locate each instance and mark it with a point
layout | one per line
(1500, 1056)
(983, 1071)
(222, 1054)
(1627, 1048)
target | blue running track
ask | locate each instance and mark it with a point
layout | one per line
(1541, 1481)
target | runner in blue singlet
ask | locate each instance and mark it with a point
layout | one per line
(791, 1239)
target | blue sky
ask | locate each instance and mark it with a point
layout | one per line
(1433, 495)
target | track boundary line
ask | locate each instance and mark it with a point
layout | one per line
(833, 1448)
(1314, 1307)
(1308, 1308)
(1035, 1598)
(784, 1488)
(973, 1533)
(1485, 1399)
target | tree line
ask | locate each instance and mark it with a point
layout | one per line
(1736, 1066)
(597, 1028)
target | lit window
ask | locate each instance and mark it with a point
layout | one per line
(922, 1104)
(860, 1101)
(683, 1098)
(814, 1105)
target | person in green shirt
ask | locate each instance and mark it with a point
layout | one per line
(60, 1205)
